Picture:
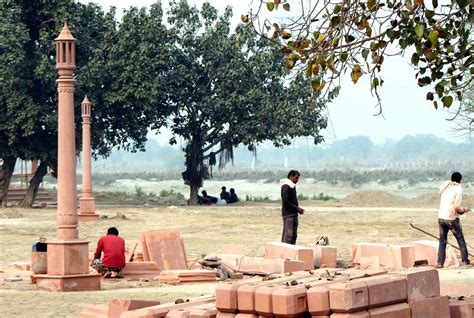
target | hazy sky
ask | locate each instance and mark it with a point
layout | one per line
(405, 109)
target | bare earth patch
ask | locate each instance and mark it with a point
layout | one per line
(361, 217)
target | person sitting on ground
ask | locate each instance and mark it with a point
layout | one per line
(113, 261)
(225, 195)
(206, 199)
(232, 196)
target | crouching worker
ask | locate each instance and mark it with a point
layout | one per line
(113, 261)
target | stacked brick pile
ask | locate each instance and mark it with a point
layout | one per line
(412, 293)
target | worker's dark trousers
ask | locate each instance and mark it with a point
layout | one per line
(290, 229)
(455, 227)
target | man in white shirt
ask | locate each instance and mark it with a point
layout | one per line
(448, 218)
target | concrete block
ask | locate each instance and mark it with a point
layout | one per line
(359, 314)
(383, 251)
(226, 297)
(403, 256)
(461, 308)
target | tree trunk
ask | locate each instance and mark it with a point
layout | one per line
(194, 165)
(6, 175)
(30, 196)
(193, 195)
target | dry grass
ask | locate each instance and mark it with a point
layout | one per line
(206, 229)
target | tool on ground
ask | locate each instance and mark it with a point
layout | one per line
(437, 238)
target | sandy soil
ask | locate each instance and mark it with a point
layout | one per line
(362, 217)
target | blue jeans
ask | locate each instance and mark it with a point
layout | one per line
(290, 229)
(455, 227)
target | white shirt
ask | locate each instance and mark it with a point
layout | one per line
(450, 199)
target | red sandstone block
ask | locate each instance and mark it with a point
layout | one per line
(289, 300)
(119, 306)
(242, 315)
(457, 288)
(434, 307)
(461, 308)
(263, 300)
(95, 311)
(392, 311)
(349, 297)
(403, 256)
(324, 256)
(226, 297)
(386, 290)
(203, 312)
(318, 300)
(246, 298)
(160, 311)
(225, 315)
(359, 314)
(291, 252)
(383, 251)
(369, 262)
(421, 283)
(269, 265)
(178, 313)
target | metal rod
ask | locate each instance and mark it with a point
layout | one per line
(427, 233)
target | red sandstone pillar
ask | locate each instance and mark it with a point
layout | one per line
(87, 201)
(68, 257)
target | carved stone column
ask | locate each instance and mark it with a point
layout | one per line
(68, 256)
(87, 200)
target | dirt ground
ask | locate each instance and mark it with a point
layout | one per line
(367, 216)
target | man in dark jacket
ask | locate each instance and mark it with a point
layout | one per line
(290, 208)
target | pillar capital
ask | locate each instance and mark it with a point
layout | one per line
(65, 52)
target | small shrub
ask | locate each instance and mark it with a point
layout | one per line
(322, 197)
(302, 197)
(139, 191)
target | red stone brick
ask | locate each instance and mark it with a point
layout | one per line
(291, 252)
(359, 314)
(403, 256)
(263, 300)
(421, 283)
(349, 296)
(226, 297)
(318, 300)
(392, 311)
(324, 256)
(95, 311)
(243, 315)
(386, 290)
(225, 315)
(383, 251)
(289, 300)
(462, 308)
(119, 306)
(434, 307)
(369, 262)
(178, 313)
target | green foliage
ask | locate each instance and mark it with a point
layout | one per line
(355, 37)
(171, 193)
(251, 198)
(229, 89)
(139, 191)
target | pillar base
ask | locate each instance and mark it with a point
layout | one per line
(68, 283)
(86, 217)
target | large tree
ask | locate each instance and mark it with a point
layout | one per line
(229, 89)
(109, 70)
(330, 39)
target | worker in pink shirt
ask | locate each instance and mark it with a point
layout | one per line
(113, 261)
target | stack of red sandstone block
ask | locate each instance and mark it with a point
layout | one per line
(162, 253)
(412, 293)
(398, 256)
(282, 258)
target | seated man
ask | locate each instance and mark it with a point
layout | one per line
(233, 196)
(224, 194)
(113, 261)
(208, 199)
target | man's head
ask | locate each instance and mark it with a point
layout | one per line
(456, 177)
(203, 192)
(232, 190)
(113, 231)
(294, 176)
(223, 188)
